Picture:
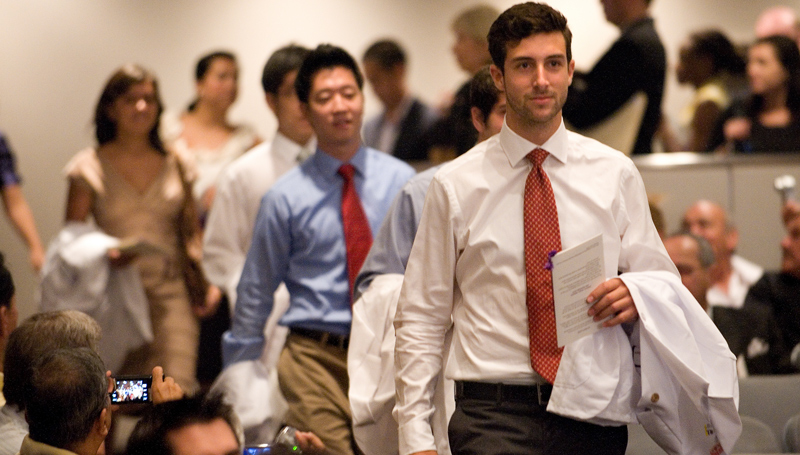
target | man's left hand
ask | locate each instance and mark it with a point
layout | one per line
(612, 298)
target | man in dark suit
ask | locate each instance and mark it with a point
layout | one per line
(751, 333)
(636, 62)
(400, 129)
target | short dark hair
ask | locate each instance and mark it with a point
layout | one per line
(323, 57)
(280, 63)
(38, 335)
(67, 392)
(149, 437)
(714, 45)
(387, 53)
(521, 21)
(483, 94)
(6, 284)
(117, 85)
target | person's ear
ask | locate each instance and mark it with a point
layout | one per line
(732, 239)
(477, 119)
(272, 102)
(497, 77)
(103, 423)
(5, 322)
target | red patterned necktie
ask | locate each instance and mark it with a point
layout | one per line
(357, 234)
(542, 240)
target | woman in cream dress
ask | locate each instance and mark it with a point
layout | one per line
(133, 189)
(204, 135)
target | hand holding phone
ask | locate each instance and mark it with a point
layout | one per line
(131, 390)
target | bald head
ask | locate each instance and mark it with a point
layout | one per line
(778, 20)
(693, 257)
(708, 220)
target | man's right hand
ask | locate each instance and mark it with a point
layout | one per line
(164, 388)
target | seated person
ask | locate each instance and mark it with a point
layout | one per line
(731, 274)
(67, 404)
(8, 316)
(778, 291)
(33, 339)
(768, 120)
(196, 425)
(708, 62)
(752, 334)
(36, 336)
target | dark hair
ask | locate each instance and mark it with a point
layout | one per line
(38, 335)
(149, 437)
(6, 284)
(280, 63)
(714, 45)
(323, 57)
(789, 56)
(118, 84)
(67, 392)
(386, 53)
(202, 67)
(521, 21)
(483, 94)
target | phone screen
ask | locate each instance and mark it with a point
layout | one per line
(258, 450)
(130, 389)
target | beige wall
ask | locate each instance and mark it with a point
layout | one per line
(56, 54)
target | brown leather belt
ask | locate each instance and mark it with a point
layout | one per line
(331, 339)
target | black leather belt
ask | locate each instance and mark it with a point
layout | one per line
(509, 393)
(331, 339)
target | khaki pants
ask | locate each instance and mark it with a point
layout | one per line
(313, 379)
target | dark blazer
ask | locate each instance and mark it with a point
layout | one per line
(635, 62)
(411, 142)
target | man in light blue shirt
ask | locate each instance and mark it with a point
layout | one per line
(392, 245)
(299, 240)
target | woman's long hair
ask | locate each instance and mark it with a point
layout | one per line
(789, 56)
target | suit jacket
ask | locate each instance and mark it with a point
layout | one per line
(411, 144)
(635, 62)
(752, 333)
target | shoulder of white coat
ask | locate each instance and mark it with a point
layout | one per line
(469, 161)
(250, 162)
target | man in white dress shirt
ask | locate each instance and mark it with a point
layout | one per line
(467, 264)
(229, 228)
(731, 275)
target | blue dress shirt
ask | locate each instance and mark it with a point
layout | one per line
(392, 245)
(298, 239)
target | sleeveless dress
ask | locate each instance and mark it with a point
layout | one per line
(153, 216)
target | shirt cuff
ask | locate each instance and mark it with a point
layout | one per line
(416, 436)
(236, 349)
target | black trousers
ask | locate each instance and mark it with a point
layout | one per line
(488, 427)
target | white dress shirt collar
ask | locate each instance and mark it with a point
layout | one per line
(291, 150)
(517, 147)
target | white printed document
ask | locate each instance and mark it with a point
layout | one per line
(577, 271)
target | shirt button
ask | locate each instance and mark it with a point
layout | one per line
(654, 398)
